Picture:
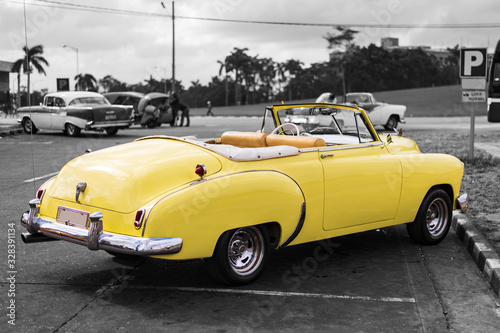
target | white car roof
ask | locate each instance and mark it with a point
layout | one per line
(68, 96)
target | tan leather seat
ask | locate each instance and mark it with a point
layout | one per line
(294, 141)
(244, 139)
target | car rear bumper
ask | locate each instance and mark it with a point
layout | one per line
(94, 237)
(91, 125)
(463, 202)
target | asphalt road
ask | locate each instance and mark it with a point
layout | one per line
(377, 281)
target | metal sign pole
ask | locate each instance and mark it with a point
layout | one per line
(472, 127)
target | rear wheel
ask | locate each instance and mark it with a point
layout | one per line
(72, 130)
(29, 127)
(112, 131)
(151, 123)
(240, 255)
(392, 123)
(433, 219)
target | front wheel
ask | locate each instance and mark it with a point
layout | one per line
(433, 219)
(240, 255)
(29, 127)
(392, 123)
(72, 130)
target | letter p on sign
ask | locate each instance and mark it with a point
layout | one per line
(473, 62)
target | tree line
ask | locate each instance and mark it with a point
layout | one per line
(247, 79)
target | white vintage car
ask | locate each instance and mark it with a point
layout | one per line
(73, 111)
(381, 114)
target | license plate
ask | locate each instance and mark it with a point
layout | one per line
(73, 217)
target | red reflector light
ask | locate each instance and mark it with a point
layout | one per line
(139, 217)
(39, 194)
(200, 170)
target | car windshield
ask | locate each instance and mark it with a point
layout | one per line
(358, 98)
(91, 100)
(334, 125)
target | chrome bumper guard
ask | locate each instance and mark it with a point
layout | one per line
(463, 202)
(91, 125)
(95, 238)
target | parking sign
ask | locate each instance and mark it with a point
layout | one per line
(473, 63)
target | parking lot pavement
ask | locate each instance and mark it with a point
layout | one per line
(376, 281)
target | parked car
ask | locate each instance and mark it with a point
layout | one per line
(154, 110)
(381, 114)
(126, 98)
(73, 111)
(232, 199)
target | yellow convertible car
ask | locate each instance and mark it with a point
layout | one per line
(312, 171)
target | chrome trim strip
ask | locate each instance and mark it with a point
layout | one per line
(298, 227)
(374, 144)
(97, 239)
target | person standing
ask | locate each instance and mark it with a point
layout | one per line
(209, 109)
(174, 104)
(327, 98)
(185, 114)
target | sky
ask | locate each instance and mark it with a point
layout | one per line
(136, 43)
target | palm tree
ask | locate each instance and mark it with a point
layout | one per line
(293, 67)
(32, 58)
(223, 66)
(86, 82)
(237, 61)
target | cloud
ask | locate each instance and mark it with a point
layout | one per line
(132, 47)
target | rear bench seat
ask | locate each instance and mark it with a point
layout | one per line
(254, 140)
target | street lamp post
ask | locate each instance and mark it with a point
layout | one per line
(77, 65)
(173, 43)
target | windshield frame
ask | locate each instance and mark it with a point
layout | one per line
(359, 115)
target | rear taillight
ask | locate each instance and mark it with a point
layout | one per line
(139, 217)
(40, 193)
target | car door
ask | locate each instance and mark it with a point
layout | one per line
(42, 117)
(58, 114)
(362, 184)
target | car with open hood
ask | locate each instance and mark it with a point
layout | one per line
(74, 111)
(232, 199)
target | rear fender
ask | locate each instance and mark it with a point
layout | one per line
(201, 212)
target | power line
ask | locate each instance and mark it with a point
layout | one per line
(70, 6)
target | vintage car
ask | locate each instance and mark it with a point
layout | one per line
(154, 110)
(126, 98)
(381, 114)
(74, 111)
(232, 199)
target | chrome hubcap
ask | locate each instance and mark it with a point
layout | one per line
(437, 217)
(245, 250)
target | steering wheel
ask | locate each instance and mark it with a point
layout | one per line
(281, 127)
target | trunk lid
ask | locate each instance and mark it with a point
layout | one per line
(106, 113)
(126, 177)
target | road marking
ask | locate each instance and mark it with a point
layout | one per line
(41, 177)
(29, 142)
(282, 294)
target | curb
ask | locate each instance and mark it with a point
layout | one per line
(10, 130)
(487, 260)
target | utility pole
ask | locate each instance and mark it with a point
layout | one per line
(173, 43)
